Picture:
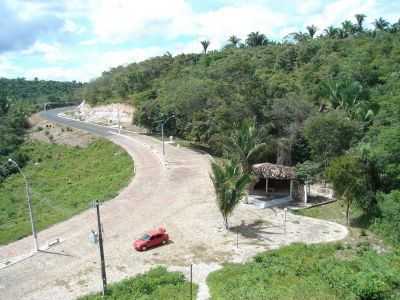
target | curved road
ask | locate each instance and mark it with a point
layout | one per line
(176, 193)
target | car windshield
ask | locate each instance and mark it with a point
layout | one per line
(145, 237)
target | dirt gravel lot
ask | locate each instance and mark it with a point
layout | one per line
(176, 193)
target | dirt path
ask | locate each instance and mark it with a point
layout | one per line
(176, 193)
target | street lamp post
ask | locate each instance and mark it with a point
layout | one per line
(162, 132)
(28, 196)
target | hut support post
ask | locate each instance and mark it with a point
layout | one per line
(266, 186)
(305, 193)
(291, 189)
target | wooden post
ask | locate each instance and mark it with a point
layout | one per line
(266, 186)
(103, 264)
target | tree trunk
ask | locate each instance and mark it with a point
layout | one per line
(226, 223)
(348, 213)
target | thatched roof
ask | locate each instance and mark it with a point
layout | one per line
(268, 170)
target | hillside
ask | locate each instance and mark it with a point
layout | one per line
(328, 104)
(18, 99)
(278, 84)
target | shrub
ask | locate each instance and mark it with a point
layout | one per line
(158, 283)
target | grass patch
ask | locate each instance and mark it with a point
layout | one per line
(301, 271)
(157, 284)
(64, 181)
(336, 212)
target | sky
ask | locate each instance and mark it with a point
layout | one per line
(79, 39)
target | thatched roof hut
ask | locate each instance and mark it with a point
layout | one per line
(272, 171)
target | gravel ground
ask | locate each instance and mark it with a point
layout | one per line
(176, 193)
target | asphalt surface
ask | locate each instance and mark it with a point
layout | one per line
(52, 115)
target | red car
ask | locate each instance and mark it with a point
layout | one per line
(151, 239)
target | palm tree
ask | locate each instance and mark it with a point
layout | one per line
(348, 28)
(230, 184)
(331, 32)
(299, 36)
(312, 30)
(234, 40)
(395, 27)
(205, 45)
(243, 146)
(255, 39)
(381, 24)
(360, 20)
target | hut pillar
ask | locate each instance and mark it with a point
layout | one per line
(305, 193)
(266, 186)
(291, 189)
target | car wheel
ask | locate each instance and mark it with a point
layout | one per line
(164, 242)
(144, 248)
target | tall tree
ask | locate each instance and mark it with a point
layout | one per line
(347, 175)
(230, 185)
(348, 28)
(312, 30)
(234, 40)
(205, 45)
(255, 39)
(331, 32)
(244, 147)
(330, 135)
(299, 36)
(360, 18)
(381, 24)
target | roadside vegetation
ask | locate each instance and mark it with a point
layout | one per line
(64, 181)
(18, 99)
(158, 284)
(306, 272)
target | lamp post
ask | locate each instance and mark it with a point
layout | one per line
(162, 132)
(28, 196)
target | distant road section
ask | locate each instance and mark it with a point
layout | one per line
(52, 115)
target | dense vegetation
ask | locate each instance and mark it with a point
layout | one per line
(157, 284)
(38, 91)
(328, 104)
(19, 98)
(64, 181)
(310, 272)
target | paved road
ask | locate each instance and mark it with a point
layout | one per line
(176, 193)
(52, 115)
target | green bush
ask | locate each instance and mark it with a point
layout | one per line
(158, 284)
(388, 224)
(309, 272)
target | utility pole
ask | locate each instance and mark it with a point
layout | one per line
(162, 133)
(103, 264)
(28, 196)
(162, 138)
(119, 122)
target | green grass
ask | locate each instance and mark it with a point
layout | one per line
(336, 212)
(64, 181)
(311, 272)
(157, 284)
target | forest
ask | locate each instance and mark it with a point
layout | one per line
(18, 99)
(328, 104)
